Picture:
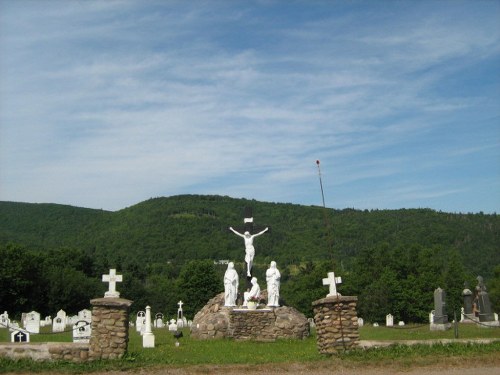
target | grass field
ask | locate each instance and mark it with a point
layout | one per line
(196, 352)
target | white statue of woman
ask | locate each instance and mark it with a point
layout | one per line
(273, 277)
(231, 281)
(249, 249)
(254, 291)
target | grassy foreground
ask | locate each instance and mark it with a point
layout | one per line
(229, 352)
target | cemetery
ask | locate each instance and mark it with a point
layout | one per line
(243, 312)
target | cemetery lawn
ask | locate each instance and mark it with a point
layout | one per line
(230, 354)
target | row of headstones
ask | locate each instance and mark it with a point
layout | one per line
(159, 322)
(32, 323)
(81, 332)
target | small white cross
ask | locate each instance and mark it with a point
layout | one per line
(180, 303)
(332, 281)
(112, 279)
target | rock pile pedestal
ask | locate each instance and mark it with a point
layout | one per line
(336, 324)
(110, 323)
(216, 321)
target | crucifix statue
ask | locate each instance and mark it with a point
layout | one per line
(248, 238)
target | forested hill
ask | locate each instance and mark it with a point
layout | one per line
(181, 228)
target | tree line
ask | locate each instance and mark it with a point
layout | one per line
(53, 256)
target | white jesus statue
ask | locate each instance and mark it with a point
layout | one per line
(249, 249)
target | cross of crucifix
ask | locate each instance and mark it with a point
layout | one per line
(248, 232)
(112, 279)
(180, 303)
(332, 282)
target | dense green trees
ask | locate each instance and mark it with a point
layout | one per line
(165, 248)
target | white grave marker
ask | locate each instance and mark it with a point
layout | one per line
(332, 282)
(389, 320)
(82, 331)
(20, 336)
(32, 323)
(112, 279)
(139, 321)
(148, 338)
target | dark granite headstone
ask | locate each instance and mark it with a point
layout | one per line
(468, 299)
(483, 302)
(440, 316)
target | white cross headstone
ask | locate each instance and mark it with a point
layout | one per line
(332, 282)
(179, 310)
(112, 279)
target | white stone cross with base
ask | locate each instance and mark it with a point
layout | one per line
(332, 282)
(112, 279)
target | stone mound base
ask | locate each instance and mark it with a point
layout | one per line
(215, 321)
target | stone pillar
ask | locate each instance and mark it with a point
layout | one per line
(109, 338)
(336, 324)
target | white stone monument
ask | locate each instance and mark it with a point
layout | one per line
(85, 314)
(389, 320)
(32, 323)
(180, 315)
(159, 320)
(173, 325)
(82, 331)
(140, 320)
(148, 338)
(4, 320)
(332, 282)
(112, 279)
(59, 322)
(361, 322)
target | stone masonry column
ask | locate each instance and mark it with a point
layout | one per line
(336, 323)
(110, 323)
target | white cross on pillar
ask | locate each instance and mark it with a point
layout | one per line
(112, 279)
(180, 303)
(332, 282)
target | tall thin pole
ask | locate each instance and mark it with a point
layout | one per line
(321, 183)
(327, 224)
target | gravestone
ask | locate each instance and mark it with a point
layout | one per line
(483, 302)
(32, 322)
(361, 322)
(180, 315)
(4, 320)
(401, 323)
(159, 320)
(440, 319)
(431, 317)
(82, 331)
(140, 320)
(173, 325)
(389, 320)
(20, 336)
(59, 322)
(85, 315)
(148, 338)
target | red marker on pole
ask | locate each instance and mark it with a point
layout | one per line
(321, 183)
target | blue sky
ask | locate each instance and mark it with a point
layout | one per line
(104, 104)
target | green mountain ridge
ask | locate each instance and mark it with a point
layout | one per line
(185, 227)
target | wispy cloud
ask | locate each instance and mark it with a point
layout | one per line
(104, 104)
